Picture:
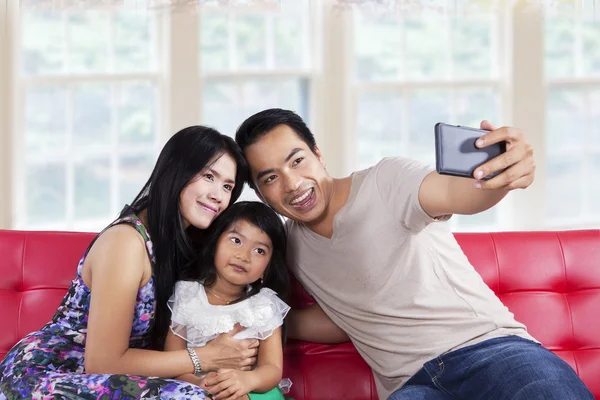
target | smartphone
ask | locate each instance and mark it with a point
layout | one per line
(456, 153)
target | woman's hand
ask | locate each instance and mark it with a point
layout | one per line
(230, 384)
(225, 352)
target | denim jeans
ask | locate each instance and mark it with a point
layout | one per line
(505, 368)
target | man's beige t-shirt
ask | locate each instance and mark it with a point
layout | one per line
(396, 281)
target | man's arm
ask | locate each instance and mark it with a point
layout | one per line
(442, 195)
(311, 324)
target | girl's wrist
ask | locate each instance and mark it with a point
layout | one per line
(252, 379)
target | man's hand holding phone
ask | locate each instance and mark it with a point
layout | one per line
(517, 162)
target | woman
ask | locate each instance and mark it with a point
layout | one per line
(107, 336)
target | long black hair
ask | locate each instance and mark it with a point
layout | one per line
(264, 218)
(184, 156)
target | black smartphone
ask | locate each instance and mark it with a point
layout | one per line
(456, 153)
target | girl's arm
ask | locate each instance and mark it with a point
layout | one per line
(269, 370)
(231, 384)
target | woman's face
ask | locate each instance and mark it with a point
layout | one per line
(209, 193)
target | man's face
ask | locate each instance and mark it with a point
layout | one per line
(289, 176)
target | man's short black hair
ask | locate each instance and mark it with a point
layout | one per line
(261, 123)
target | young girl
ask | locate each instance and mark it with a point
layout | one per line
(242, 282)
(106, 337)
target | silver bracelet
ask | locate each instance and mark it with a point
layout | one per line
(195, 360)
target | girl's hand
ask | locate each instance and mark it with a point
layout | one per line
(230, 384)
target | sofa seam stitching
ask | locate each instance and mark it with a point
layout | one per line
(564, 261)
(497, 261)
(562, 252)
(22, 285)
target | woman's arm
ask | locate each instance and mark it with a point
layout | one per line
(115, 268)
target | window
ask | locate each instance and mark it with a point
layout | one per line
(412, 71)
(89, 93)
(572, 61)
(251, 60)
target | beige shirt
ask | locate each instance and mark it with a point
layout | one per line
(396, 281)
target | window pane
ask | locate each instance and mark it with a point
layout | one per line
(591, 47)
(92, 188)
(472, 46)
(378, 48)
(594, 135)
(382, 119)
(486, 220)
(259, 94)
(220, 102)
(46, 193)
(560, 47)
(226, 104)
(566, 120)
(137, 113)
(473, 105)
(45, 118)
(134, 171)
(426, 48)
(44, 42)
(250, 36)
(563, 188)
(89, 41)
(133, 43)
(91, 114)
(427, 107)
(594, 189)
(379, 131)
(289, 50)
(214, 38)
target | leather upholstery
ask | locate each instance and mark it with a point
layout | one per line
(549, 280)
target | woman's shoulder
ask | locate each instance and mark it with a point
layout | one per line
(118, 242)
(122, 236)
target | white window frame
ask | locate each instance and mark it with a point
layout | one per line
(332, 102)
(498, 83)
(7, 11)
(23, 82)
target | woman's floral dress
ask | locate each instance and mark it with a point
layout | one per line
(49, 363)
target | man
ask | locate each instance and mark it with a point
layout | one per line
(374, 252)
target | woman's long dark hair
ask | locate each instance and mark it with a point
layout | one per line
(260, 215)
(183, 157)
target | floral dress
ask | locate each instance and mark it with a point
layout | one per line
(49, 364)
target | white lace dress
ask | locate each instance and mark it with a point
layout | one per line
(197, 321)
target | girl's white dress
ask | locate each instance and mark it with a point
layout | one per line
(197, 321)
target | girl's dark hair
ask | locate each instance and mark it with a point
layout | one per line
(260, 215)
(183, 157)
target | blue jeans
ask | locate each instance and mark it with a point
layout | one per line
(505, 368)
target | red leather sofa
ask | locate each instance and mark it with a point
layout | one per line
(549, 280)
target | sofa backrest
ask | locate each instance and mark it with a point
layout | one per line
(549, 280)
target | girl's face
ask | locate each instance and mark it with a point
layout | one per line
(208, 194)
(243, 253)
